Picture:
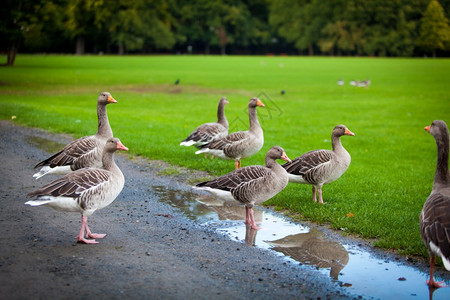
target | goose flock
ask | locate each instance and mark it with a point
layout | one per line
(91, 179)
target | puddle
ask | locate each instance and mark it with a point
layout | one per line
(363, 273)
(44, 144)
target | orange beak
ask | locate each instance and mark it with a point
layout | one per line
(111, 99)
(427, 128)
(259, 103)
(285, 157)
(121, 146)
(348, 132)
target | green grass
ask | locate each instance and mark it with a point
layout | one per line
(393, 158)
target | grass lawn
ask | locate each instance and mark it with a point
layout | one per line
(393, 158)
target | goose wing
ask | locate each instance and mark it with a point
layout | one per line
(308, 161)
(206, 133)
(236, 178)
(435, 223)
(83, 147)
(74, 185)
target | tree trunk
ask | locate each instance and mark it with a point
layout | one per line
(310, 50)
(121, 49)
(80, 45)
(13, 47)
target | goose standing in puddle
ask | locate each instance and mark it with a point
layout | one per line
(252, 184)
(435, 216)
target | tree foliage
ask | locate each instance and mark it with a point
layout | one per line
(434, 29)
(333, 27)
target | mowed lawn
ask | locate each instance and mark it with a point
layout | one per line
(380, 196)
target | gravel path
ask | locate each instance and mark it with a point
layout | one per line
(152, 251)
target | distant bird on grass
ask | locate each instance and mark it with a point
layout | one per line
(340, 82)
(85, 190)
(319, 167)
(435, 216)
(241, 144)
(252, 184)
(83, 152)
(177, 82)
(209, 132)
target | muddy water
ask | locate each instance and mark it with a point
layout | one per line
(362, 272)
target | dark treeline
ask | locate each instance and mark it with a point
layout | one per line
(306, 27)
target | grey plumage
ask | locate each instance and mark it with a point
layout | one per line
(85, 190)
(83, 152)
(239, 145)
(209, 132)
(319, 167)
(252, 184)
(435, 216)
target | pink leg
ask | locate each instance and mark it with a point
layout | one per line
(314, 193)
(252, 220)
(205, 155)
(237, 164)
(94, 235)
(84, 227)
(247, 215)
(319, 191)
(431, 283)
(212, 156)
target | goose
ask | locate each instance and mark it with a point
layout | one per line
(209, 132)
(241, 144)
(252, 184)
(435, 216)
(83, 152)
(85, 190)
(319, 167)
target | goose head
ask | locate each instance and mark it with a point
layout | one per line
(437, 128)
(114, 144)
(106, 98)
(223, 101)
(254, 102)
(341, 130)
(276, 152)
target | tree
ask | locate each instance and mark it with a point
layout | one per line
(434, 29)
(15, 18)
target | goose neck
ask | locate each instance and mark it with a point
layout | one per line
(442, 176)
(104, 129)
(253, 119)
(221, 119)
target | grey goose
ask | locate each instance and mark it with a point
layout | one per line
(85, 190)
(435, 216)
(209, 132)
(252, 184)
(319, 167)
(83, 152)
(241, 144)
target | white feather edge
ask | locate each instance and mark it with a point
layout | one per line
(436, 250)
(63, 170)
(58, 203)
(297, 179)
(218, 153)
(225, 195)
(189, 143)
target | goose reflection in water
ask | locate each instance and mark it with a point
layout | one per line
(313, 248)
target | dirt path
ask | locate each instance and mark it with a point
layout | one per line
(151, 250)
